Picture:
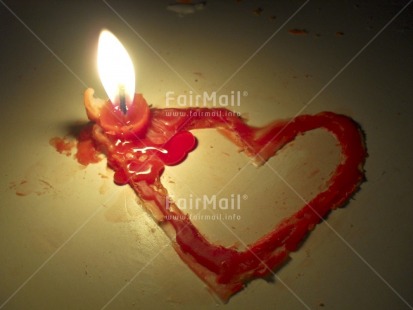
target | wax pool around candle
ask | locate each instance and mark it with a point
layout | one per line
(137, 147)
(113, 120)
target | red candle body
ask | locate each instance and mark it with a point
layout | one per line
(131, 123)
(111, 118)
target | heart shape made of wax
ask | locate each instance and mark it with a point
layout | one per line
(225, 269)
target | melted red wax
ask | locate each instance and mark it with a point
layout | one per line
(136, 159)
(62, 145)
(87, 152)
(148, 160)
(140, 163)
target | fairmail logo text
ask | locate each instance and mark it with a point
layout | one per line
(205, 99)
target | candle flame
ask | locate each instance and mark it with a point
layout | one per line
(115, 68)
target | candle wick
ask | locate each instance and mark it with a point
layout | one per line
(122, 99)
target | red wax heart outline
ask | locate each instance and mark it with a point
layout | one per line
(140, 163)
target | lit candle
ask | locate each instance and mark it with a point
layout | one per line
(125, 113)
